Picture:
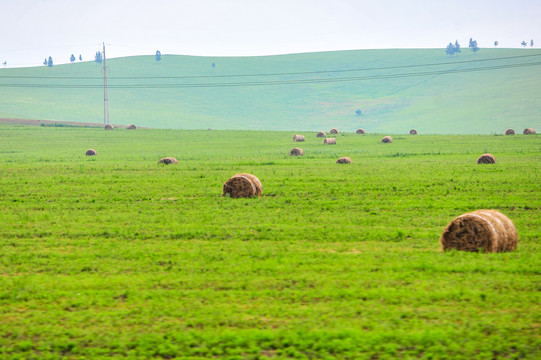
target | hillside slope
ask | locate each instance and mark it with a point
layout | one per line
(396, 90)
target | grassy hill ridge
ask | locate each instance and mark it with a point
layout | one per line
(397, 90)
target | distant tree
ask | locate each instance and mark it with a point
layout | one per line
(523, 43)
(450, 49)
(457, 46)
(474, 46)
(496, 43)
(99, 57)
(471, 43)
(213, 65)
(45, 62)
(158, 55)
(358, 112)
(50, 62)
(80, 57)
(531, 43)
(72, 58)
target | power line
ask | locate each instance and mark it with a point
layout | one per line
(278, 82)
(271, 74)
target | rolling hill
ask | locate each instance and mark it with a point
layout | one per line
(395, 90)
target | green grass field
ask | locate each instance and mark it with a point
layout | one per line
(396, 90)
(116, 256)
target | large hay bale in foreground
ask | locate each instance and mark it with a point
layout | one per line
(360, 131)
(297, 138)
(109, 127)
(242, 186)
(387, 139)
(330, 141)
(321, 134)
(334, 131)
(486, 159)
(481, 230)
(91, 152)
(528, 131)
(296, 152)
(413, 132)
(509, 132)
(168, 160)
(131, 127)
(344, 160)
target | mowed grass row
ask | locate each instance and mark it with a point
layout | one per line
(117, 256)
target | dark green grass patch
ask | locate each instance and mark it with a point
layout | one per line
(116, 256)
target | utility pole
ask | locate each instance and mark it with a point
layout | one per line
(105, 96)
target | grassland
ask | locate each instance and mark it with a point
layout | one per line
(448, 99)
(115, 256)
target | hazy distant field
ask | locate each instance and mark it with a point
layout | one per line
(115, 256)
(396, 90)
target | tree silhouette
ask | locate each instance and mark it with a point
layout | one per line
(50, 62)
(158, 55)
(72, 58)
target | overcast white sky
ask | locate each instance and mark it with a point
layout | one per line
(31, 30)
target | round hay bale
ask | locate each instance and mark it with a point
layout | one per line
(168, 160)
(91, 152)
(131, 127)
(509, 132)
(528, 131)
(330, 141)
(297, 138)
(321, 134)
(387, 139)
(344, 160)
(109, 127)
(334, 131)
(486, 159)
(296, 152)
(360, 131)
(413, 132)
(481, 230)
(242, 186)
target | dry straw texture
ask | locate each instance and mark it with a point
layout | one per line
(91, 152)
(486, 159)
(387, 139)
(242, 186)
(329, 141)
(344, 160)
(109, 127)
(334, 131)
(168, 160)
(413, 132)
(296, 152)
(360, 131)
(528, 131)
(297, 138)
(509, 132)
(321, 134)
(481, 230)
(131, 127)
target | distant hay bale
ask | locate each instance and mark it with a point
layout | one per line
(168, 160)
(360, 131)
(296, 152)
(413, 132)
(242, 186)
(344, 160)
(387, 139)
(109, 127)
(297, 138)
(321, 134)
(486, 159)
(329, 141)
(91, 152)
(481, 230)
(334, 131)
(509, 132)
(131, 127)
(528, 131)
